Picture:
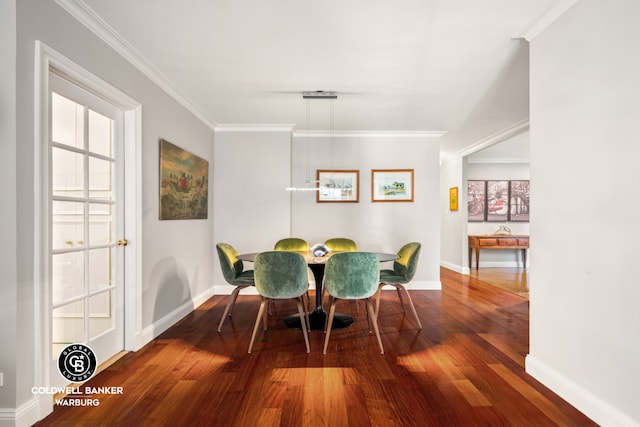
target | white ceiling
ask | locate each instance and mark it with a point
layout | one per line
(410, 65)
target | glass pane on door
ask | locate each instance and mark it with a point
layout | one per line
(83, 209)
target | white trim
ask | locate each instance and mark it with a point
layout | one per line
(98, 26)
(154, 330)
(47, 60)
(593, 407)
(254, 128)
(536, 27)
(501, 160)
(454, 267)
(24, 416)
(421, 285)
(368, 134)
(500, 136)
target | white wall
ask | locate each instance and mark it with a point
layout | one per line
(454, 223)
(585, 297)
(9, 283)
(381, 227)
(250, 173)
(176, 266)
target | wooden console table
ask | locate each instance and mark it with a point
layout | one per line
(498, 242)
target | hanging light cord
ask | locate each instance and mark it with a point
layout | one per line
(331, 148)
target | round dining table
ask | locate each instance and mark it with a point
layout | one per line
(317, 316)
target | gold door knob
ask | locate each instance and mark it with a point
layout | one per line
(122, 242)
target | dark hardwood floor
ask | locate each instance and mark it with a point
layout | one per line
(465, 368)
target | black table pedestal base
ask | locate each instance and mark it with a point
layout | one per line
(317, 319)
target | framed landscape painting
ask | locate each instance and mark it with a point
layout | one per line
(338, 186)
(392, 185)
(184, 183)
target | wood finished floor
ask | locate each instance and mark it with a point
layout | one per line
(465, 368)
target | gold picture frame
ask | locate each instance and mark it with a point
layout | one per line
(184, 183)
(338, 186)
(392, 185)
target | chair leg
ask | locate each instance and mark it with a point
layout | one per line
(261, 311)
(374, 320)
(230, 305)
(378, 293)
(332, 312)
(303, 324)
(326, 317)
(399, 292)
(413, 309)
(306, 301)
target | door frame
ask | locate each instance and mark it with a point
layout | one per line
(48, 60)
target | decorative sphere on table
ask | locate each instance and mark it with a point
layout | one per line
(320, 250)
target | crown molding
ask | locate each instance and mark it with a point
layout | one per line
(536, 27)
(367, 134)
(502, 135)
(501, 160)
(98, 26)
(254, 128)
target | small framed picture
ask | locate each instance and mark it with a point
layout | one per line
(392, 185)
(338, 186)
(453, 199)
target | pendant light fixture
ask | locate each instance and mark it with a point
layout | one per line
(310, 184)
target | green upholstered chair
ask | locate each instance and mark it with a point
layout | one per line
(341, 244)
(352, 275)
(292, 244)
(297, 245)
(404, 268)
(280, 275)
(234, 273)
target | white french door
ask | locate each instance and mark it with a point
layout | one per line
(86, 205)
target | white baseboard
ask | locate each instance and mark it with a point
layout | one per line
(454, 267)
(599, 411)
(24, 416)
(151, 332)
(424, 285)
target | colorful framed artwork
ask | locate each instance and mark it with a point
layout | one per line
(476, 198)
(453, 199)
(184, 183)
(392, 185)
(338, 186)
(519, 201)
(497, 205)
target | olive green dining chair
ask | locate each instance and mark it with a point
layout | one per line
(280, 275)
(355, 276)
(404, 268)
(234, 273)
(291, 244)
(341, 244)
(295, 244)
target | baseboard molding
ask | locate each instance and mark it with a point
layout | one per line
(454, 267)
(599, 411)
(24, 416)
(151, 332)
(424, 285)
